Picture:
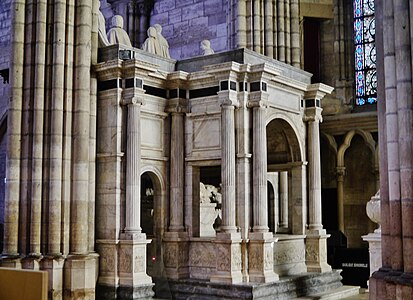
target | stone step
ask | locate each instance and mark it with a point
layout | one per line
(342, 292)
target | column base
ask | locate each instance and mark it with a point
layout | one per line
(54, 267)
(261, 257)
(132, 262)
(108, 263)
(316, 251)
(11, 261)
(80, 277)
(176, 255)
(31, 262)
(228, 253)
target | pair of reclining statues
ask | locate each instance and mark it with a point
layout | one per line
(155, 43)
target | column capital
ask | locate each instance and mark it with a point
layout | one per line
(313, 114)
(177, 105)
(317, 91)
(257, 99)
(340, 172)
(228, 98)
(134, 96)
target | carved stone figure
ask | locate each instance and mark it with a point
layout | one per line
(206, 48)
(163, 43)
(117, 35)
(151, 44)
(103, 39)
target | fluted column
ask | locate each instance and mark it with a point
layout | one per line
(283, 199)
(314, 168)
(133, 163)
(341, 172)
(259, 161)
(177, 172)
(316, 240)
(228, 167)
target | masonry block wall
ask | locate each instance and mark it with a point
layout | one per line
(186, 23)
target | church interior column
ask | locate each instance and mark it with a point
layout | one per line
(316, 241)
(14, 127)
(261, 256)
(283, 199)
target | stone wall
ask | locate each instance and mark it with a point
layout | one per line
(186, 23)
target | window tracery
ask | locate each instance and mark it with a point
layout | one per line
(365, 52)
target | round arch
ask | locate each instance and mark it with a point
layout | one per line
(283, 145)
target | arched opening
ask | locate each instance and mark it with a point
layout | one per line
(359, 187)
(284, 161)
(151, 209)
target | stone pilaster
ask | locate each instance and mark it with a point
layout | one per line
(316, 241)
(80, 277)
(176, 254)
(177, 108)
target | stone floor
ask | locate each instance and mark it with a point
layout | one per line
(364, 295)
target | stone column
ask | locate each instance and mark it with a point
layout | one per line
(177, 172)
(295, 34)
(316, 241)
(299, 198)
(283, 199)
(269, 35)
(341, 172)
(261, 252)
(132, 246)
(176, 239)
(14, 125)
(133, 176)
(228, 241)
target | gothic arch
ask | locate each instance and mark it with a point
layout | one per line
(330, 141)
(368, 139)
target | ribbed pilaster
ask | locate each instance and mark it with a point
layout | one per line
(177, 173)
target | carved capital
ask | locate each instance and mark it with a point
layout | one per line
(340, 172)
(313, 114)
(177, 105)
(228, 98)
(136, 100)
(257, 99)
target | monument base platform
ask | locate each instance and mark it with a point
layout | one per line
(286, 288)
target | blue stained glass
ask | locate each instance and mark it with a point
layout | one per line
(357, 8)
(365, 52)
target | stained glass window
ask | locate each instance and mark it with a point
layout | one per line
(365, 52)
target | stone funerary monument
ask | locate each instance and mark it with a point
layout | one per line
(199, 173)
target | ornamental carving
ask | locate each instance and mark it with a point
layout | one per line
(255, 258)
(139, 264)
(236, 258)
(171, 255)
(223, 258)
(289, 254)
(202, 255)
(125, 260)
(107, 260)
(269, 258)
